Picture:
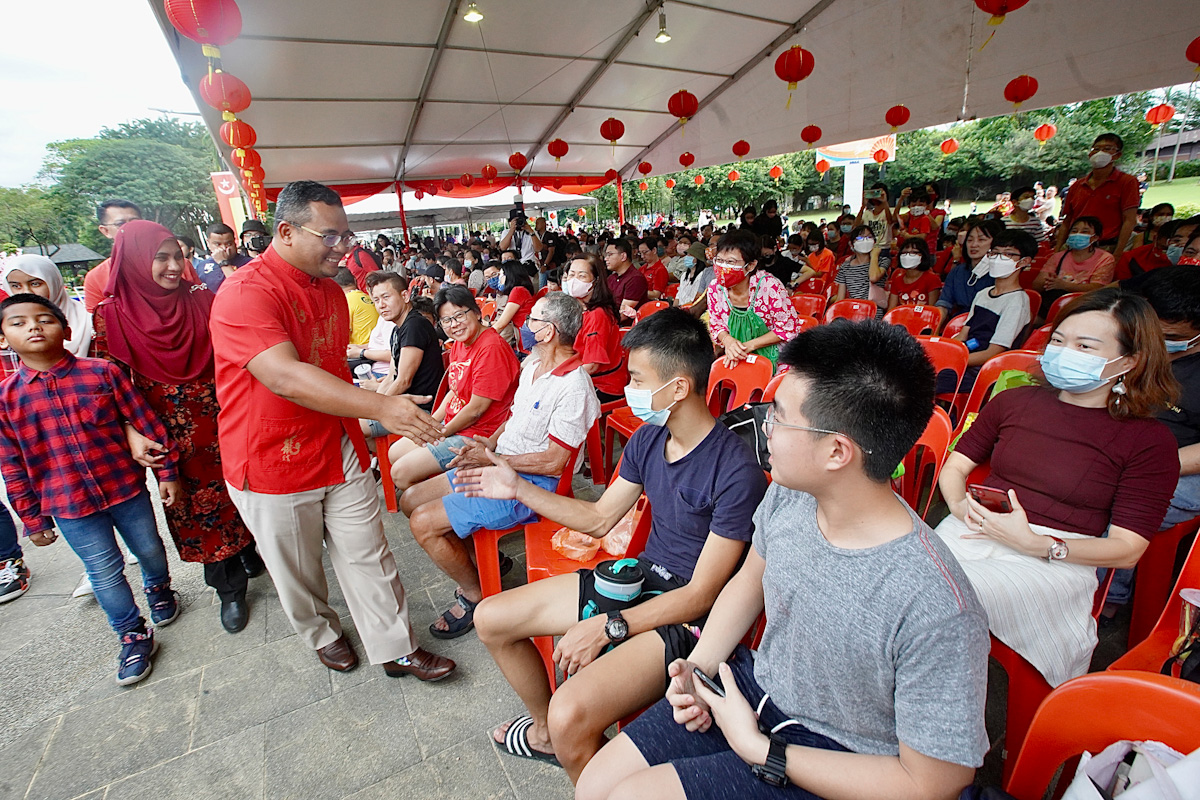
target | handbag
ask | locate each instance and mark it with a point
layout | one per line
(747, 423)
(1126, 767)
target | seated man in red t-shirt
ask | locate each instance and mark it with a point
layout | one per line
(653, 271)
(1148, 257)
(482, 379)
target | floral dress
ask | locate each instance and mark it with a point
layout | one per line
(770, 309)
(204, 523)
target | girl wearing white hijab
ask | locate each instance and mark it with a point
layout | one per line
(38, 275)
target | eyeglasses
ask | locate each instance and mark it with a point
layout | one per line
(454, 319)
(728, 264)
(770, 422)
(329, 239)
(118, 223)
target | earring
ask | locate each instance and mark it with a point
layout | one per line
(1119, 388)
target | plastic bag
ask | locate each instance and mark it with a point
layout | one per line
(581, 547)
(1097, 775)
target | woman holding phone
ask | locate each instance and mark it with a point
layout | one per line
(1086, 472)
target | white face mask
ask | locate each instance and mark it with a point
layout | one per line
(918, 211)
(864, 245)
(1001, 266)
(1026, 204)
(1100, 159)
(910, 260)
(1160, 221)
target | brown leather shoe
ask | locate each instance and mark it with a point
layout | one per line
(339, 655)
(421, 664)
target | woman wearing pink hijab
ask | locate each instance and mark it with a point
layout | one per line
(154, 323)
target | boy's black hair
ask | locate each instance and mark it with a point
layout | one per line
(378, 276)
(1022, 240)
(344, 277)
(1173, 293)
(677, 344)
(869, 380)
(745, 243)
(36, 299)
(218, 229)
(456, 295)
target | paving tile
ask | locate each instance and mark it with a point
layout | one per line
(196, 639)
(115, 738)
(257, 686)
(231, 769)
(468, 771)
(339, 745)
(536, 780)
(22, 758)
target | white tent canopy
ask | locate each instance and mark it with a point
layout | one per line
(384, 90)
(382, 212)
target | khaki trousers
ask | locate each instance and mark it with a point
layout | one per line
(289, 530)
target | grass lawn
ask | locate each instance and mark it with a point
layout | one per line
(1183, 192)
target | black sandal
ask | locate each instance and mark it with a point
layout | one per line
(456, 626)
(516, 742)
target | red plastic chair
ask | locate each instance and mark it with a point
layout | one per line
(812, 305)
(853, 310)
(768, 395)
(542, 292)
(384, 443)
(1152, 589)
(806, 322)
(487, 309)
(1038, 339)
(594, 452)
(954, 325)
(648, 308)
(917, 320)
(619, 423)
(1035, 303)
(733, 387)
(818, 284)
(989, 373)
(1151, 652)
(1027, 276)
(924, 461)
(1057, 306)
(1093, 711)
(672, 290)
(946, 354)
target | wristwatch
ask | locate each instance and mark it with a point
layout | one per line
(1058, 550)
(616, 628)
(774, 772)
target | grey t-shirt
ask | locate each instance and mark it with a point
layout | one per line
(871, 647)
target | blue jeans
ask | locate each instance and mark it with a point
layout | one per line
(1185, 505)
(92, 539)
(9, 546)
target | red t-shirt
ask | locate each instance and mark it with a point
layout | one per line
(361, 261)
(93, 284)
(487, 368)
(656, 276)
(524, 300)
(269, 444)
(599, 342)
(1108, 202)
(1146, 258)
(917, 293)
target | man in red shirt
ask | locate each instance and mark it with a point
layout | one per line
(1148, 257)
(653, 271)
(361, 261)
(111, 214)
(294, 458)
(1106, 193)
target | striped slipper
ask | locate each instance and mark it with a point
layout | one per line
(516, 741)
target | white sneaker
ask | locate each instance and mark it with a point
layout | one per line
(84, 588)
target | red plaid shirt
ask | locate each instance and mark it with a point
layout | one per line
(63, 450)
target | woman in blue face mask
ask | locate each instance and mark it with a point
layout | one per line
(1084, 474)
(1082, 267)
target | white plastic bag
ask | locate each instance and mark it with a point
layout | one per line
(1149, 773)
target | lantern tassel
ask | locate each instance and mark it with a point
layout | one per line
(210, 50)
(988, 39)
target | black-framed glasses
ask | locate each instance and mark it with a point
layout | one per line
(329, 239)
(454, 319)
(770, 422)
(119, 222)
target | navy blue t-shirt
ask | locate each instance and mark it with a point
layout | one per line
(715, 488)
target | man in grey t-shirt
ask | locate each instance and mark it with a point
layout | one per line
(872, 672)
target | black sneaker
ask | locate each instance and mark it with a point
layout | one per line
(134, 662)
(14, 579)
(164, 604)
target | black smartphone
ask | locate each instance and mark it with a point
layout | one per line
(991, 499)
(709, 683)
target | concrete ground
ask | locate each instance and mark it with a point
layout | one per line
(255, 715)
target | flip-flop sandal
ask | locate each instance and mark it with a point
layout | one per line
(506, 565)
(456, 626)
(516, 742)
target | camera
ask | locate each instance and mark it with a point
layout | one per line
(518, 214)
(259, 243)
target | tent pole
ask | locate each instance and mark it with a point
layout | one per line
(620, 203)
(400, 201)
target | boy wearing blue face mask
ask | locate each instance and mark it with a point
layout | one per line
(703, 485)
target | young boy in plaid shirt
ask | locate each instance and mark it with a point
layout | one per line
(65, 454)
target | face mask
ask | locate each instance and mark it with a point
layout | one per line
(1079, 241)
(1160, 221)
(486, 257)
(494, 283)
(1073, 371)
(661, 251)
(918, 211)
(576, 287)
(1174, 253)
(1189, 261)
(1100, 159)
(641, 400)
(845, 228)
(814, 248)
(864, 245)
(731, 276)
(688, 262)
(1026, 204)
(1001, 266)
(1176, 346)
(528, 337)
(910, 260)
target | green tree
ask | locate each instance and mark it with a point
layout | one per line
(30, 216)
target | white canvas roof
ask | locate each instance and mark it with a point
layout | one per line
(381, 211)
(379, 90)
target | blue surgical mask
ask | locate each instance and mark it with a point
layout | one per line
(494, 283)
(1074, 371)
(1078, 241)
(845, 228)
(528, 338)
(641, 400)
(689, 262)
(1177, 346)
(1174, 253)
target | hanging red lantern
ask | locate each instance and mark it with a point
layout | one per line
(489, 173)
(741, 149)
(254, 174)
(447, 185)
(224, 92)
(246, 159)
(580, 180)
(698, 180)
(669, 183)
(1163, 112)
(612, 175)
(1020, 89)
(557, 148)
(517, 161)
(897, 115)
(776, 173)
(734, 175)
(998, 8)
(684, 105)
(432, 191)
(810, 134)
(949, 146)
(466, 180)
(643, 186)
(822, 166)
(793, 65)
(686, 160)
(236, 133)
(419, 194)
(880, 156)
(645, 168)
(210, 22)
(1045, 132)
(582, 212)
(1193, 53)
(612, 129)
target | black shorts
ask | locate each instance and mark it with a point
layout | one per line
(678, 640)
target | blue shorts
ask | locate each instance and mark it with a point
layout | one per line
(376, 429)
(704, 762)
(469, 514)
(441, 450)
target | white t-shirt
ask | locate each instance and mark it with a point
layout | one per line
(381, 339)
(559, 405)
(525, 240)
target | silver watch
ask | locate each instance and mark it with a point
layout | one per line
(1058, 550)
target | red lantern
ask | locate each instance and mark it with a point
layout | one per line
(254, 174)
(880, 156)
(822, 166)
(698, 180)
(210, 22)
(669, 183)
(687, 159)
(949, 146)
(645, 168)
(643, 186)
(1192, 53)
(741, 149)
(582, 212)
(1020, 89)
(466, 180)
(1161, 113)
(557, 148)
(581, 180)
(734, 175)
(517, 161)
(998, 8)
(224, 92)
(489, 173)
(612, 129)
(432, 191)
(1045, 132)
(810, 134)
(793, 65)
(447, 185)
(897, 116)
(238, 134)
(684, 105)
(247, 159)
(419, 194)
(776, 173)
(612, 175)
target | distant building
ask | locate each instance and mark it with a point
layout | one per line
(1189, 147)
(72, 257)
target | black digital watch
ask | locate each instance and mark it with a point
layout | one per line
(774, 772)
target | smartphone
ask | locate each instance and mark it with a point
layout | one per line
(873, 194)
(709, 683)
(991, 499)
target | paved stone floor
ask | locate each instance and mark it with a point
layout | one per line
(255, 715)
